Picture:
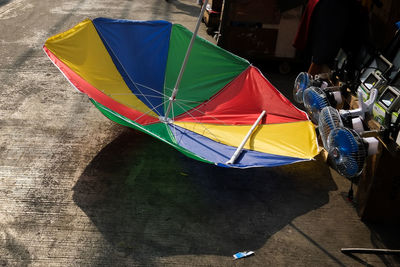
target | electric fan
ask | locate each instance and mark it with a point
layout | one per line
(305, 80)
(329, 119)
(346, 151)
(315, 99)
(302, 82)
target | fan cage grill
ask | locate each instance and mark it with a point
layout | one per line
(329, 119)
(315, 100)
(301, 83)
(347, 153)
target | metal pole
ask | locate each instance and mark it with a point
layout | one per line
(240, 147)
(370, 251)
(178, 80)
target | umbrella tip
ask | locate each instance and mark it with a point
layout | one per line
(165, 119)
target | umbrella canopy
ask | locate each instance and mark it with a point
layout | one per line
(129, 69)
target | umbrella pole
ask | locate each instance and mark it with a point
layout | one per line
(178, 80)
(240, 147)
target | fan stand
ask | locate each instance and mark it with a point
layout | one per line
(350, 194)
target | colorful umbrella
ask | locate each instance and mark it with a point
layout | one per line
(224, 106)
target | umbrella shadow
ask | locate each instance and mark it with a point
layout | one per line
(150, 201)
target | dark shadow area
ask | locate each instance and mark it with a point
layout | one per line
(326, 252)
(4, 2)
(361, 261)
(191, 10)
(149, 201)
(386, 236)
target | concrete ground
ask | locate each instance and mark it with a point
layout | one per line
(78, 189)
